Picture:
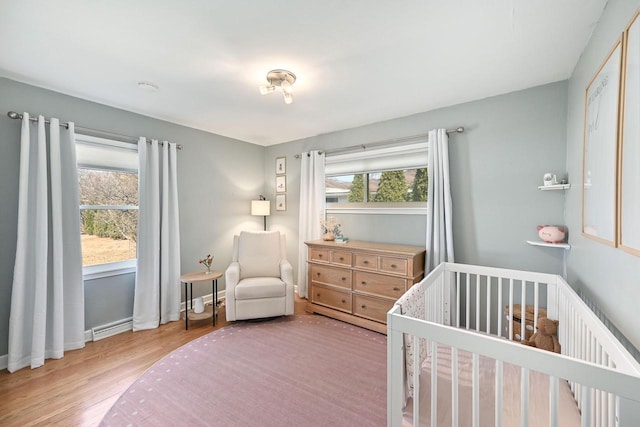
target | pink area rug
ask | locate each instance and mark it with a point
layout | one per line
(291, 371)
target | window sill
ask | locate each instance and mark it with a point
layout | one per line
(378, 210)
(99, 271)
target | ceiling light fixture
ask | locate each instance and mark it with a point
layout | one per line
(283, 78)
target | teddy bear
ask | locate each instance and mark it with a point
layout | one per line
(545, 336)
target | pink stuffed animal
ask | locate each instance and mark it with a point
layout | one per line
(551, 234)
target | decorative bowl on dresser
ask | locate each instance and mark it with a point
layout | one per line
(358, 282)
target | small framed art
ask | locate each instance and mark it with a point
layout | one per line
(281, 202)
(281, 184)
(281, 165)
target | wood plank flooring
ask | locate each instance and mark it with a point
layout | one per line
(80, 388)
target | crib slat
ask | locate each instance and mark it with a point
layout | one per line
(499, 308)
(454, 387)
(524, 397)
(586, 406)
(498, 403)
(536, 303)
(468, 300)
(478, 302)
(476, 390)
(523, 305)
(511, 309)
(458, 313)
(434, 384)
(416, 379)
(488, 329)
(553, 401)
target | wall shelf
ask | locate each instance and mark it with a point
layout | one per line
(564, 246)
(554, 187)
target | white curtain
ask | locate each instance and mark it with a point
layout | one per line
(439, 215)
(47, 298)
(312, 208)
(157, 288)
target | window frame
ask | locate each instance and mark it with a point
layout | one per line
(115, 268)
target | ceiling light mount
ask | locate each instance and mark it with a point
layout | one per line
(148, 86)
(280, 78)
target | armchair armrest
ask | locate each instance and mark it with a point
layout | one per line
(231, 279)
(286, 272)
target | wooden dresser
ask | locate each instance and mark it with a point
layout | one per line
(358, 282)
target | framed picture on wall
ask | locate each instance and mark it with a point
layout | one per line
(601, 132)
(629, 183)
(281, 202)
(281, 165)
(281, 184)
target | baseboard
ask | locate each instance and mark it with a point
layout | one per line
(114, 328)
(124, 325)
(207, 299)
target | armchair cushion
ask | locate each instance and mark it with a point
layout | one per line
(260, 287)
(259, 254)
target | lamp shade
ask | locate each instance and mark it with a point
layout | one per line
(261, 207)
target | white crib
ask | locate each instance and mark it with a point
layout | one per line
(461, 308)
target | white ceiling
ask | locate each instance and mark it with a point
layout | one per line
(357, 61)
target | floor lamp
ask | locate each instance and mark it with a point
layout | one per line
(261, 207)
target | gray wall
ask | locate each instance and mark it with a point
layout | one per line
(496, 165)
(609, 276)
(218, 177)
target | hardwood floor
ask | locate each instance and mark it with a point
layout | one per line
(80, 388)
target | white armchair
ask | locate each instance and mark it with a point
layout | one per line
(259, 280)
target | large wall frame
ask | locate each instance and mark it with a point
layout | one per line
(629, 153)
(600, 151)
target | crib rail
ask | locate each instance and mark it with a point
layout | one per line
(462, 300)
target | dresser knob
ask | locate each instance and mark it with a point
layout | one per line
(318, 274)
(343, 279)
(363, 306)
(317, 295)
(341, 258)
(344, 301)
(319, 255)
(393, 266)
(363, 282)
(365, 262)
(396, 289)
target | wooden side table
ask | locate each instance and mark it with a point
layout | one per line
(197, 277)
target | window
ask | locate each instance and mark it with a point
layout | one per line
(108, 186)
(108, 215)
(395, 186)
(388, 178)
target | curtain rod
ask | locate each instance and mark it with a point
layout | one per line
(14, 115)
(459, 129)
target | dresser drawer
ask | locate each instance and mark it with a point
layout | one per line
(341, 258)
(331, 276)
(377, 284)
(372, 308)
(340, 300)
(320, 255)
(393, 265)
(365, 261)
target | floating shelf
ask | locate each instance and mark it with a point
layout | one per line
(554, 187)
(564, 246)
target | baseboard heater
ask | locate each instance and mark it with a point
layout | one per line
(111, 329)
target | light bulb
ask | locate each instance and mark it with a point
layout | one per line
(288, 97)
(286, 86)
(266, 89)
